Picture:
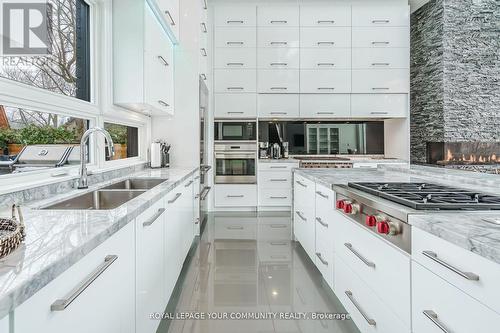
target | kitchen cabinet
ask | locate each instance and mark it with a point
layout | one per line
(275, 185)
(278, 105)
(105, 305)
(320, 16)
(380, 16)
(150, 296)
(234, 16)
(377, 58)
(323, 139)
(235, 37)
(278, 16)
(143, 60)
(325, 106)
(380, 81)
(438, 306)
(196, 204)
(381, 37)
(325, 37)
(235, 81)
(304, 214)
(379, 105)
(231, 58)
(325, 81)
(321, 58)
(278, 37)
(235, 105)
(235, 195)
(278, 58)
(170, 11)
(279, 81)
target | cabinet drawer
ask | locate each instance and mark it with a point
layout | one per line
(325, 58)
(278, 37)
(275, 197)
(363, 58)
(325, 260)
(325, 82)
(367, 311)
(235, 37)
(235, 58)
(376, 262)
(439, 253)
(275, 251)
(279, 166)
(314, 16)
(278, 58)
(380, 37)
(235, 228)
(380, 81)
(231, 16)
(325, 105)
(379, 105)
(235, 105)
(235, 80)
(325, 37)
(278, 105)
(275, 179)
(456, 311)
(280, 81)
(277, 16)
(275, 230)
(235, 195)
(380, 15)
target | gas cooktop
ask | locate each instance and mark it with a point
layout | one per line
(428, 196)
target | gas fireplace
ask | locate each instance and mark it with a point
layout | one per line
(476, 156)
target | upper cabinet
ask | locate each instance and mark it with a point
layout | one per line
(231, 16)
(143, 60)
(380, 15)
(170, 12)
(278, 16)
(321, 16)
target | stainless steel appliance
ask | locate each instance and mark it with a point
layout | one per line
(235, 163)
(275, 151)
(263, 149)
(204, 167)
(383, 208)
(35, 157)
(235, 130)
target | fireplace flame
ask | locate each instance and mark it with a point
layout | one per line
(472, 158)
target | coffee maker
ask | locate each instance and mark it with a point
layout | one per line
(263, 149)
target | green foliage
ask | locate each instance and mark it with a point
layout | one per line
(7, 136)
(118, 132)
(32, 134)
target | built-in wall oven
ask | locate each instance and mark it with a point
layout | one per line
(235, 130)
(235, 162)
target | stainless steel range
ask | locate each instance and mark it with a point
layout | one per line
(383, 208)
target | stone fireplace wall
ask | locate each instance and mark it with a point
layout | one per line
(455, 73)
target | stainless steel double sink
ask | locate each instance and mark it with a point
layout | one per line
(109, 197)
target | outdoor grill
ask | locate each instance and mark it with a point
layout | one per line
(44, 156)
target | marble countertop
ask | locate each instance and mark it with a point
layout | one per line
(55, 239)
(342, 159)
(467, 230)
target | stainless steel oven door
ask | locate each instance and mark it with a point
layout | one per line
(235, 167)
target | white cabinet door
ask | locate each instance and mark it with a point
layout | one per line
(325, 37)
(380, 81)
(173, 241)
(278, 105)
(235, 58)
(235, 105)
(170, 11)
(331, 58)
(232, 195)
(230, 16)
(272, 16)
(304, 214)
(279, 81)
(235, 80)
(325, 207)
(381, 37)
(235, 37)
(440, 307)
(106, 305)
(380, 15)
(379, 105)
(196, 204)
(278, 37)
(188, 216)
(325, 82)
(319, 16)
(277, 197)
(364, 58)
(150, 266)
(278, 58)
(275, 179)
(325, 105)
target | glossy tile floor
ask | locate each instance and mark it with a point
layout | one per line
(246, 263)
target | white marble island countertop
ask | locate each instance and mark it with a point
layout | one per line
(57, 239)
(476, 231)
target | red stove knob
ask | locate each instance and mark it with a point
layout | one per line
(383, 227)
(371, 220)
(340, 204)
(348, 208)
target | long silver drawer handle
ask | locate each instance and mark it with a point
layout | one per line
(321, 194)
(162, 103)
(323, 261)
(278, 112)
(278, 167)
(326, 43)
(278, 43)
(235, 196)
(172, 22)
(380, 64)
(380, 21)
(204, 192)
(379, 112)
(324, 112)
(375, 42)
(467, 275)
(235, 112)
(177, 196)
(357, 254)
(380, 88)
(189, 184)
(279, 21)
(278, 64)
(301, 216)
(301, 183)
(235, 88)
(154, 217)
(234, 228)
(203, 27)
(62, 304)
(370, 321)
(164, 62)
(279, 180)
(278, 243)
(235, 21)
(234, 43)
(326, 88)
(434, 318)
(326, 64)
(278, 226)
(205, 5)
(326, 21)
(321, 222)
(279, 88)
(235, 64)
(278, 197)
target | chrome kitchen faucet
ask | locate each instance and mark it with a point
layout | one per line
(82, 182)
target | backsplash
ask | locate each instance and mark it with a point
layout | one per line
(43, 192)
(455, 73)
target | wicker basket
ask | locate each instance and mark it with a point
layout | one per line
(11, 232)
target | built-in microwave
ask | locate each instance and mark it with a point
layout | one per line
(237, 130)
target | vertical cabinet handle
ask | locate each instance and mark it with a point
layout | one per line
(172, 22)
(154, 217)
(62, 304)
(205, 5)
(432, 316)
(370, 321)
(466, 275)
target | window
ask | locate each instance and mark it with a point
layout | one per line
(125, 139)
(64, 66)
(20, 128)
